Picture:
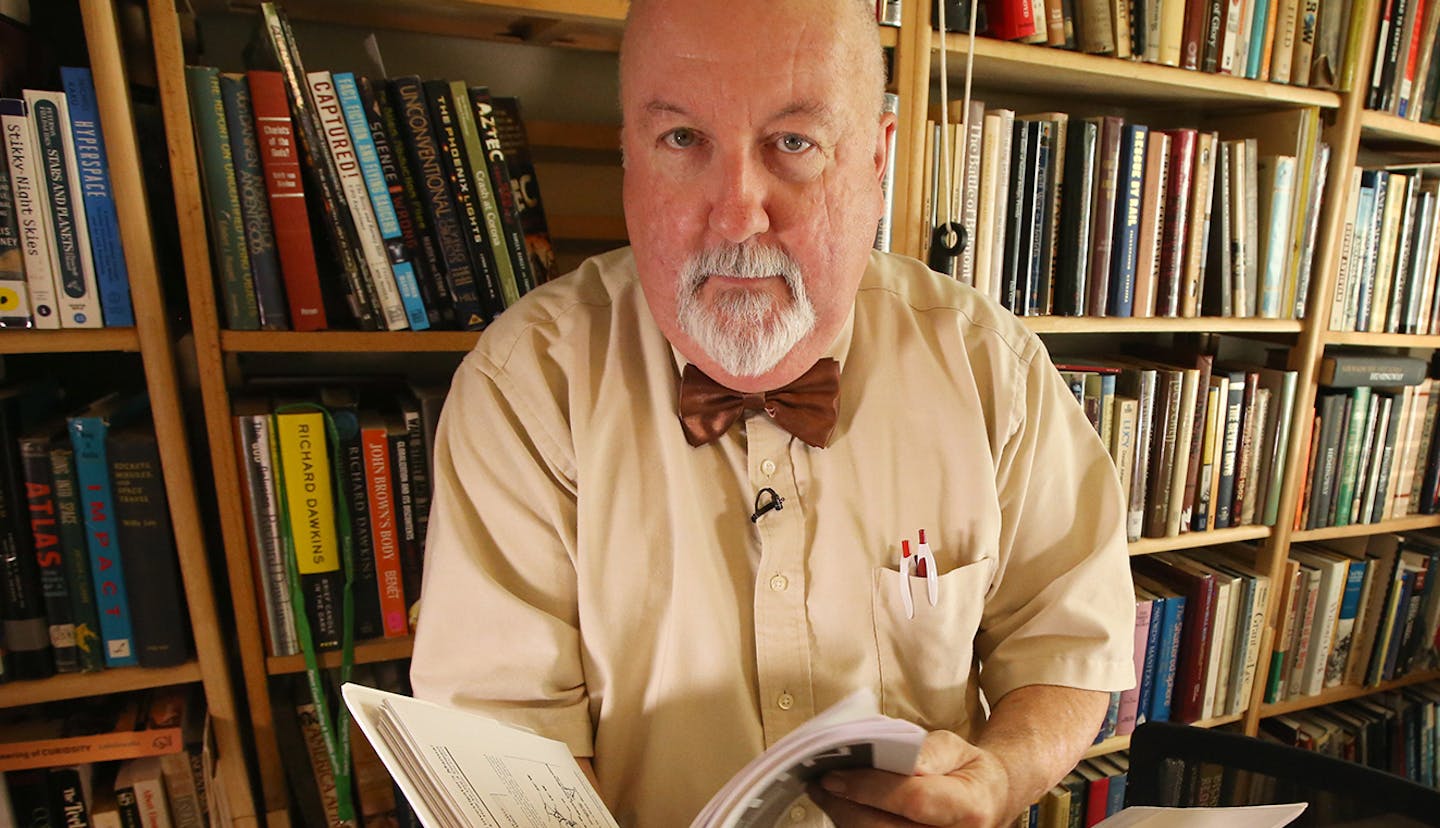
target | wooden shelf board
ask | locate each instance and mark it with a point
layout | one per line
(1397, 525)
(1194, 540)
(1159, 324)
(79, 685)
(1058, 72)
(291, 342)
(71, 341)
(1385, 129)
(366, 652)
(1342, 693)
(1116, 743)
(1388, 340)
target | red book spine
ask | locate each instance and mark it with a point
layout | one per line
(1097, 795)
(1192, 37)
(376, 445)
(280, 159)
(1177, 222)
(1010, 19)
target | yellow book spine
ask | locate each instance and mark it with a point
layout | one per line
(305, 469)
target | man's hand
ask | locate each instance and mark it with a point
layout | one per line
(1035, 735)
(955, 783)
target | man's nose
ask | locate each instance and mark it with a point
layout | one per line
(739, 210)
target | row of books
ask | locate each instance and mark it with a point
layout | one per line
(422, 193)
(134, 759)
(379, 469)
(1094, 790)
(61, 260)
(1389, 254)
(1405, 75)
(89, 567)
(1300, 42)
(1098, 216)
(1197, 445)
(1394, 731)
(1370, 454)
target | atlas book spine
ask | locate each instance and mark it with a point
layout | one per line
(111, 275)
(22, 598)
(383, 285)
(79, 296)
(259, 236)
(39, 483)
(32, 211)
(222, 198)
(373, 179)
(285, 190)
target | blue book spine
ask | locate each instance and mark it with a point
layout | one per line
(1169, 658)
(111, 275)
(87, 436)
(1255, 55)
(254, 202)
(348, 92)
(1397, 629)
(1115, 799)
(1152, 657)
(1125, 246)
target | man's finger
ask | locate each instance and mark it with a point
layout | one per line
(926, 800)
(847, 814)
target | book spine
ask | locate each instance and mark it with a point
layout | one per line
(79, 300)
(450, 145)
(424, 153)
(504, 188)
(80, 582)
(152, 569)
(1176, 228)
(39, 482)
(111, 275)
(419, 461)
(305, 470)
(391, 160)
(257, 444)
(403, 497)
(344, 247)
(31, 211)
(1229, 454)
(22, 599)
(369, 622)
(260, 243)
(476, 167)
(383, 285)
(222, 196)
(67, 796)
(1127, 220)
(373, 179)
(87, 435)
(379, 482)
(516, 143)
(1077, 194)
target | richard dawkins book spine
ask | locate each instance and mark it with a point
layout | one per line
(308, 496)
(383, 285)
(111, 275)
(88, 430)
(344, 246)
(387, 224)
(31, 211)
(365, 598)
(222, 198)
(285, 189)
(79, 299)
(152, 570)
(259, 238)
(423, 151)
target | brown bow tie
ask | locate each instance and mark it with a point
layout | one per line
(806, 407)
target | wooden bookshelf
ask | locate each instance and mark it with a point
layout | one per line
(1159, 324)
(1381, 340)
(1405, 524)
(1384, 128)
(1115, 743)
(282, 342)
(69, 342)
(79, 685)
(366, 652)
(1345, 692)
(1198, 540)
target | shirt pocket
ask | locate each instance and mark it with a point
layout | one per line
(925, 661)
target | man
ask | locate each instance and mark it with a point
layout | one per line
(670, 598)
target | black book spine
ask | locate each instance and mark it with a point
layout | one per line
(1037, 276)
(1015, 247)
(67, 798)
(504, 188)
(366, 595)
(467, 202)
(420, 225)
(22, 602)
(429, 161)
(419, 466)
(1073, 248)
(45, 534)
(147, 548)
(77, 557)
(388, 155)
(30, 798)
(1214, 22)
(129, 808)
(403, 492)
(254, 203)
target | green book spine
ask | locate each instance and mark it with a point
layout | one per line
(479, 170)
(77, 559)
(1350, 454)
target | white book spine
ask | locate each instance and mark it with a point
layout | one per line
(352, 182)
(1332, 585)
(32, 214)
(1339, 298)
(78, 295)
(1277, 242)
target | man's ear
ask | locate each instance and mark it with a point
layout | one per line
(883, 135)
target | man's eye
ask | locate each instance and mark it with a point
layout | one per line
(680, 138)
(793, 143)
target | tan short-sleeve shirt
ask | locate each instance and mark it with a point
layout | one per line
(592, 576)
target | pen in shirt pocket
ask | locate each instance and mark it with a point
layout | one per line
(923, 564)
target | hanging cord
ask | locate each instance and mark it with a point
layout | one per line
(950, 236)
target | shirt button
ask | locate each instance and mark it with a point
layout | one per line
(785, 702)
(797, 813)
(767, 467)
(779, 582)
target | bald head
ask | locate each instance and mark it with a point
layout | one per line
(851, 23)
